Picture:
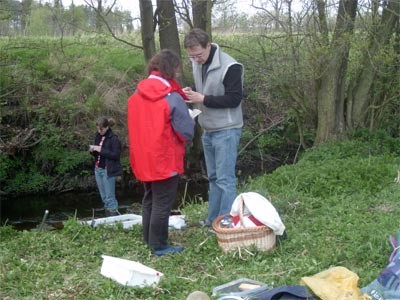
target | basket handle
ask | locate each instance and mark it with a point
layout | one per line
(241, 208)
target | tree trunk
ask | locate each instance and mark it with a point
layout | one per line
(99, 20)
(322, 21)
(359, 97)
(331, 94)
(57, 18)
(147, 25)
(201, 10)
(168, 30)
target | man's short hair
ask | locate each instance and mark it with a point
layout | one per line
(196, 37)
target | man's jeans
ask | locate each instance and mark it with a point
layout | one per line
(220, 152)
(106, 187)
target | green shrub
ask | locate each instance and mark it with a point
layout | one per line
(27, 182)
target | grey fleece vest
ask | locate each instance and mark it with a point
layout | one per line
(215, 119)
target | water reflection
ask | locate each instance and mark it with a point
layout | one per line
(26, 213)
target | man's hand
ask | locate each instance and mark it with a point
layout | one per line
(194, 97)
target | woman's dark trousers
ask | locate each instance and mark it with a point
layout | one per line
(159, 196)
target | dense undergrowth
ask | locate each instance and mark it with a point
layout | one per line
(339, 204)
(53, 90)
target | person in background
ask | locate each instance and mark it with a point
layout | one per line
(159, 125)
(218, 94)
(106, 151)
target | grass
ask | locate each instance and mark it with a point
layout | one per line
(339, 210)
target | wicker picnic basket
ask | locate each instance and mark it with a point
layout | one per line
(228, 239)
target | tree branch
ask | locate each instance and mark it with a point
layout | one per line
(280, 120)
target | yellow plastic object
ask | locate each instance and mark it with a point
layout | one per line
(336, 283)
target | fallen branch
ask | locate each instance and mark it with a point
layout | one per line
(19, 142)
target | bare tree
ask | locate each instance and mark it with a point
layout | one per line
(147, 29)
(26, 10)
(168, 30)
(329, 90)
(202, 14)
(331, 95)
(196, 13)
(277, 6)
(183, 9)
(361, 102)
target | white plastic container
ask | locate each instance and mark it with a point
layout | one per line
(128, 272)
(127, 220)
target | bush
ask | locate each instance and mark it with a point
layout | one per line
(59, 90)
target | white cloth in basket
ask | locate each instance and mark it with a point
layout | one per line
(260, 207)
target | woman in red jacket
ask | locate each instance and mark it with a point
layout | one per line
(159, 125)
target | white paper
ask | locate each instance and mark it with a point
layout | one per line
(194, 112)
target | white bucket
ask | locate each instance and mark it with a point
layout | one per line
(127, 272)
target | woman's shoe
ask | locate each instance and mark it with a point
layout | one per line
(168, 250)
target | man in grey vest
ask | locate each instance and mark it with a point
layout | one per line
(218, 94)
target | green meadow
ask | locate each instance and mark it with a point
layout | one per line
(339, 204)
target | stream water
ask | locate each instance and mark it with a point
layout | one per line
(25, 213)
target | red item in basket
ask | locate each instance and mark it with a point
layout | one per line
(236, 220)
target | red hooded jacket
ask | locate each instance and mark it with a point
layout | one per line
(159, 124)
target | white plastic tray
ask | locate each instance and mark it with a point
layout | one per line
(128, 272)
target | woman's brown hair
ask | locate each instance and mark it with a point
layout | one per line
(166, 62)
(103, 122)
